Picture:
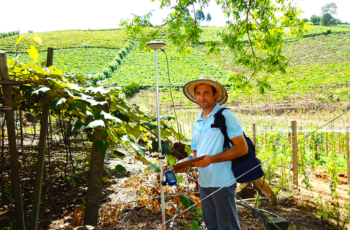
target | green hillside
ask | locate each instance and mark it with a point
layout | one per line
(320, 59)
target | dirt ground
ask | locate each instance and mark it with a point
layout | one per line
(297, 206)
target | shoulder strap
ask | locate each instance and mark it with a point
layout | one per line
(220, 122)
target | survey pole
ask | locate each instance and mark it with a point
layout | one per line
(156, 46)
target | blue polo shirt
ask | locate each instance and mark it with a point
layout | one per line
(210, 141)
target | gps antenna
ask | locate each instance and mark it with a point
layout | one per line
(158, 45)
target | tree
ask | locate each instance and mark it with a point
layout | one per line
(200, 15)
(306, 20)
(328, 20)
(187, 15)
(261, 25)
(330, 8)
(208, 18)
(315, 19)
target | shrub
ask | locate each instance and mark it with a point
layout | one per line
(120, 53)
(123, 52)
(107, 72)
(113, 65)
(117, 59)
(131, 89)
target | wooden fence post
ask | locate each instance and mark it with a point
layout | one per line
(41, 154)
(254, 135)
(9, 116)
(295, 152)
(327, 143)
(347, 153)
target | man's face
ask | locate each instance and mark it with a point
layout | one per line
(205, 96)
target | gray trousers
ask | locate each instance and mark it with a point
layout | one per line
(219, 210)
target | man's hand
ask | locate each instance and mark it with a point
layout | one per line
(181, 170)
(207, 160)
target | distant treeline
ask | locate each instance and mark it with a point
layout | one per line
(8, 34)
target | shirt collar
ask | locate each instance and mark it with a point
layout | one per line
(215, 109)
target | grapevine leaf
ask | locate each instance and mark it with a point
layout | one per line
(104, 132)
(37, 39)
(150, 125)
(119, 169)
(179, 179)
(187, 202)
(95, 124)
(33, 53)
(74, 127)
(171, 160)
(19, 39)
(165, 148)
(121, 116)
(42, 89)
(118, 154)
(101, 145)
(154, 167)
(168, 118)
(77, 104)
(105, 179)
(138, 148)
(195, 225)
(57, 102)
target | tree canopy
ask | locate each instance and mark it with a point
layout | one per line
(255, 33)
(330, 8)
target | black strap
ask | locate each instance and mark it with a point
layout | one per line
(220, 122)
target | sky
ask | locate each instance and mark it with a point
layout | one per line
(49, 15)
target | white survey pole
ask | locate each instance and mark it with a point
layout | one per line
(156, 46)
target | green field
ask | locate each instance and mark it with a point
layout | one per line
(86, 60)
(140, 67)
(315, 61)
(112, 39)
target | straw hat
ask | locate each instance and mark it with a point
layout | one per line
(221, 91)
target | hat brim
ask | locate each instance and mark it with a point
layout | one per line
(188, 90)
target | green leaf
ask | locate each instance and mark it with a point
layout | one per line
(57, 102)
(121, 115)
(33, 53)
(105, 179)
(119, 169)
(27, 91)
(195, 225)
(154, 167)
(101, 145)
(104, 132)
(168, 118)
(37, 39)
(96, 112)
(150, 125)
(188, 149)
(165, 148)
(94, 124)
(171, 160)
(187, 202)
(42, 89)
(138, 148)
(118, 154)
(74, 127)
(77, 104)
(19, 39)
(179, 179)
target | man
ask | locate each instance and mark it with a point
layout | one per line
(219, 210)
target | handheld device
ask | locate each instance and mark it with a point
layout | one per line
(170, 177)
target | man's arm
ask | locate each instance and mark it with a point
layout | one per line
(239, 149)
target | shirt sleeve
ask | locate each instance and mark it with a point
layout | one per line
(234, 128)
(193, 140)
